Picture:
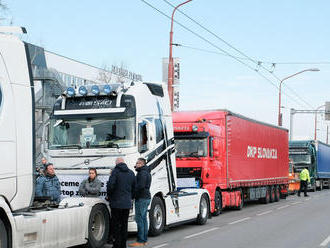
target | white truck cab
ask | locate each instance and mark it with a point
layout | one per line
(90, 127)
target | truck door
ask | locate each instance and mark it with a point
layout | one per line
(8, 171)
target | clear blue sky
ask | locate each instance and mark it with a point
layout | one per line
(112, 32)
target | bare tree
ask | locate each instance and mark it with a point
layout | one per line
(3, 10)
(122, 74)
(105, 74)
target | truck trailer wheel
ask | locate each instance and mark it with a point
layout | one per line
(266, 199)
(277, 193)
(217, 203)
(272, 194)
(3, 235)
(98, 227)
(156, 217)
(203, 210)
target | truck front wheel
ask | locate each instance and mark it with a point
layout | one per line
(98, 227)
(3, 235)
(204, 210)
(156, 217)
(217, 203)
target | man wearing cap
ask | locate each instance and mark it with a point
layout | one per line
(48, 184)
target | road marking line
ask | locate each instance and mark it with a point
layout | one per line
(200, 233)
(307, 199)
(325, 242)
(294, 203)
(267, 212)
(285, 206)
(238, 221)
(158, 246)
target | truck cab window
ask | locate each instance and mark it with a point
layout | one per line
(191, 147)
(143, 138)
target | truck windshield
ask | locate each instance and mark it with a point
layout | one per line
(300, 158)
(191, 147)
(91, 133)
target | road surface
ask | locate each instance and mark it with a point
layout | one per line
(294, 222)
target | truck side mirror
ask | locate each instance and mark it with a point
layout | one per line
(211, 150)
(216, 152)
(142, 137)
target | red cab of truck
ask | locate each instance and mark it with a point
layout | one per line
(235, 158)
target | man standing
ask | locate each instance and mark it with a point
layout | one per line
(142, 201)
(48, 184)
(120, 189)
(304, 177)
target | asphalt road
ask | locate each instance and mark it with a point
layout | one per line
(294, 222)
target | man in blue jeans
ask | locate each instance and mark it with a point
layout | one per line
(142, 201)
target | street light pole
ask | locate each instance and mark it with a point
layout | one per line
(170, 62)
(280, 89)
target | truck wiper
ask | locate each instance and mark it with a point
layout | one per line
(70, 146)
(108, 145)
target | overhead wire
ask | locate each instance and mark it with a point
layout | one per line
(220, 49)
(258, 62)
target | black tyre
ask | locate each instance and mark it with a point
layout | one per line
(314, 187)
(98, 226)
(277, 194)
(204, 210)
(321, 185)
(272, 194)
(3, 235)
(217, 203)
(156, 217)
(266, 199)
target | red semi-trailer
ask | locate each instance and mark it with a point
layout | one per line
(237, 159)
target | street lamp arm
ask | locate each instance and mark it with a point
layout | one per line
(175, 10)
(280, 89)
(312, 69)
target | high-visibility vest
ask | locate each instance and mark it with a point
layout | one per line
(304, 175)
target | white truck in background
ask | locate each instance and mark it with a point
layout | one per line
(90, 127)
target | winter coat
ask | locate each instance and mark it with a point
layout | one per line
(143, 182)
(121, 187)
(90, 188)
(49, 186)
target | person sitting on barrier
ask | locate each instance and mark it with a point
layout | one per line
(91, 186)
(48, 185)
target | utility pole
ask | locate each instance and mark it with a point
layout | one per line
(170, 62)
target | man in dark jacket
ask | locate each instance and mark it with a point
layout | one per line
(142, 201)
(120, 189)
